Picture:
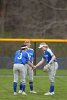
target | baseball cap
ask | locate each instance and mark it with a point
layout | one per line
(42, 45)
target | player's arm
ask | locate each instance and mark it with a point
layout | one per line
(40, 63)
(28, 61)
(53, 58)
(30, 64)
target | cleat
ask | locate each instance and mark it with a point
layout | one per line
(34, 92)
(15, 93)
(49, 93)
(24, 93)
(20, 91)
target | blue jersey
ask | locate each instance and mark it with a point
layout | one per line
(31, 54)
(21, 58)
(48, 55)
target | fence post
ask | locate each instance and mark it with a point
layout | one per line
(35, 57)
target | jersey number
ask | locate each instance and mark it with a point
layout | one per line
(20, 56)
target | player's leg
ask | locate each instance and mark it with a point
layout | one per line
(21, 85)
(30, 76)
(15, 72)
(52, 73)
(25, 69)
(22, 79)
(52, 77)
(56, 67)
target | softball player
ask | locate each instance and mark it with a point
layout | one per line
(50, 59)
(30, 51)
(20, 59)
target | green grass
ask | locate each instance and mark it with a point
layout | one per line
(41, 85)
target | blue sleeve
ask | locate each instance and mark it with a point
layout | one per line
(27, 57)
(33, 54)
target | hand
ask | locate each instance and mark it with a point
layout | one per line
(46, 67)
(34, 67)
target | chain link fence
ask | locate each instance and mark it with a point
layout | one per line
(7, 62)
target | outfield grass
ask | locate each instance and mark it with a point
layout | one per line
(41, 85)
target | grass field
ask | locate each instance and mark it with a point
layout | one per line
(41, 85)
